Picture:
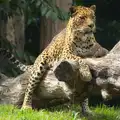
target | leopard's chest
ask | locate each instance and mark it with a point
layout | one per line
(82, 45)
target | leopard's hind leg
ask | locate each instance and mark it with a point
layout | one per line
(34, 79)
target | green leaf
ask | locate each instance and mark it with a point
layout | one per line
(31, 20)
(54, 16)
(49, 13)
(38, 3)
(44, 11)
(31, 1)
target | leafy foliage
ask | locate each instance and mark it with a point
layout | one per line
(47, 8)
(34, 9)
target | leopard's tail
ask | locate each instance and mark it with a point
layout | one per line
(7, 54)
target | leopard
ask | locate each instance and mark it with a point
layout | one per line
(98, 50)
(75, 42)
(78, 42)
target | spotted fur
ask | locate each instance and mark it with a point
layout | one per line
(77, 44)
(7, 54)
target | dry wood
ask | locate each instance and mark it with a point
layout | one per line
(62, 82)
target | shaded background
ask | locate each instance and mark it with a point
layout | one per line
(108, 25)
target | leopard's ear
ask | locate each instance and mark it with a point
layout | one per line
(72, 10)
(93, 7)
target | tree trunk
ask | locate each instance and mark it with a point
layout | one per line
(49, 28)
(12, 29)
(52, 90)
(62, 82)
(15, 30)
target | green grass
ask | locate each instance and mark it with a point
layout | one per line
(58, 113)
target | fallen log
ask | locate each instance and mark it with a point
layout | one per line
(106, 71)
(52, 90)
(62, 83)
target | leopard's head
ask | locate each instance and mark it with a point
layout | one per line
(80, 32)
(83, 18)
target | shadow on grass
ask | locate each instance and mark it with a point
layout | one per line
(100, 113)
(100, 116)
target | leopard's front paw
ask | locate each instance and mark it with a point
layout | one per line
(26, 107)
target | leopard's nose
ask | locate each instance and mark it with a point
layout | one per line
(91, 25)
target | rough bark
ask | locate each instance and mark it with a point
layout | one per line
(12, 28)
(15, 30)
(62, 82)
(106, 70)
(51, 90)
(49, 28)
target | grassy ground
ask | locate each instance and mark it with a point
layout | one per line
(59, 113)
